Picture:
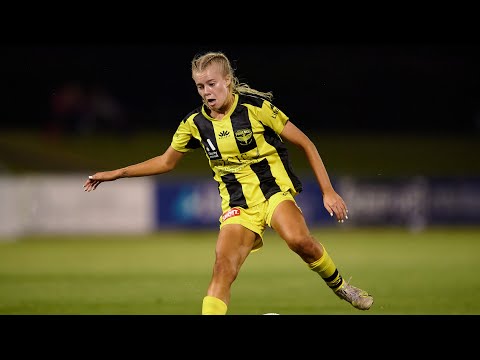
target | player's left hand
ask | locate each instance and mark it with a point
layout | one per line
(335, 206)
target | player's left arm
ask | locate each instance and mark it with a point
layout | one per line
(332, 201)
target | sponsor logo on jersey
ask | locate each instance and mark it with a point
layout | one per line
(211, 151)
(224, 134)
(244, 136)
(274, 111)
(230, 213)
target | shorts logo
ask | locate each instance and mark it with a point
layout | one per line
(230, 213)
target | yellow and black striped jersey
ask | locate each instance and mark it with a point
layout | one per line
(248, 158)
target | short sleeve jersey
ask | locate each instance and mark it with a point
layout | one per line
(246, 153)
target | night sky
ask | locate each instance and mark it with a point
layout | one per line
(339, 87)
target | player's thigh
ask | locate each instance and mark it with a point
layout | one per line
(288, 220)
(234, 243)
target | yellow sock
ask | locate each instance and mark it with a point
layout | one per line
(327, 270)
(213, 306)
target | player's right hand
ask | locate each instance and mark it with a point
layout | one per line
(94, 180)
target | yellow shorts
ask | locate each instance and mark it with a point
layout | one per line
(257, 217)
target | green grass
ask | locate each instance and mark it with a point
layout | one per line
(430, 272)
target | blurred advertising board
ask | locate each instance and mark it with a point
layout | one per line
(413, 202)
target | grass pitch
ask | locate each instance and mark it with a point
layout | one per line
(434, 272)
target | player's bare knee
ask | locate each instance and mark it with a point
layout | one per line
(225, 269)
(304, 245)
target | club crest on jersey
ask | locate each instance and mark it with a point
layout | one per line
(230, 213)
(244, 136)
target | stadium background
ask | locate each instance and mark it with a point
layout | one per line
(398, 126)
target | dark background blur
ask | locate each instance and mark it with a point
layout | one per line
(433, 88)
(397, 124)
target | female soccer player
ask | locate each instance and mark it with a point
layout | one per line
(243, 134)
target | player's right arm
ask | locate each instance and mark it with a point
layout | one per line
(154, 166)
